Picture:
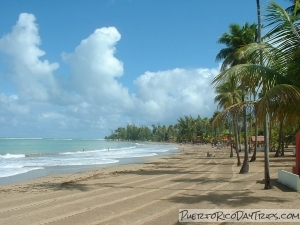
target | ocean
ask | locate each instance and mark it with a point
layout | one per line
(27, 158)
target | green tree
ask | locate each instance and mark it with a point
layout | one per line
(237, 38)
(229, 94)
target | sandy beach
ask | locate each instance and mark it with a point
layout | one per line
(148, 193)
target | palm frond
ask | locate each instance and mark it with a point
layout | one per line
(285, 32)
(282, 99)
(252, 75)
(233, 111)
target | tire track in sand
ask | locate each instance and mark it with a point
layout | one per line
(118, 185)
(55, 199)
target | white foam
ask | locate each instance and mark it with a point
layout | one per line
(12, 156)
(104, 153)
(139, 144)
(8, 172)
(21, 138)
(47, 162)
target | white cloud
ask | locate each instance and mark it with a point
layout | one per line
(32, 77)
(10, 108)
(174, 93)
(94, 69)
(90, 101)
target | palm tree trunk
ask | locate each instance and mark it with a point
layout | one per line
(239, 138)
(279, 140)
(266, 131)
(231, 150)
(258, 22)
(250, 128)
(282, 142)
(253, 158)
(236, 142)
(271, 137)
(261, 62)
(266, 150)
(245, 166)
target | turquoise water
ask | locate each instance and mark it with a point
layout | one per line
(24, 155)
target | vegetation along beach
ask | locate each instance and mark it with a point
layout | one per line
(150, 173)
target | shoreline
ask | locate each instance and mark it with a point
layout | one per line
(148, 193)
(59, 170)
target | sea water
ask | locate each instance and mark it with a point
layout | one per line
(24, 155)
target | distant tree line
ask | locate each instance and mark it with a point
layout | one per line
(206, 130)
(187, 129)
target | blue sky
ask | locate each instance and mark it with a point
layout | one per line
(83, 68)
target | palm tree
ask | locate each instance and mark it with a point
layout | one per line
(285, 36)
(253, 158)
(266, 133)
(237, 38)
(187, 128)
(206, 127)
(276, 73)
(171, 132)
(228, 94)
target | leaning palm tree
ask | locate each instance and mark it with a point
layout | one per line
(228, 94)
(237, 38)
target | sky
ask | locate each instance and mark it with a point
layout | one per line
(81, 69)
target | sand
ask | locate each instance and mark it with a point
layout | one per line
(149, 193)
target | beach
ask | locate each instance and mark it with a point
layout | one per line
(150, 192)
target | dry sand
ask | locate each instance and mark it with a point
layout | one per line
(150, 193)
